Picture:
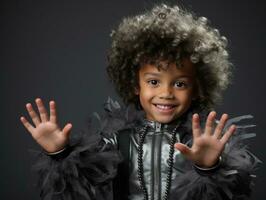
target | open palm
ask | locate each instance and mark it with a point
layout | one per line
(208, 145)
(46, 131)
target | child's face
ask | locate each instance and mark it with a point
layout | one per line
(165, 94)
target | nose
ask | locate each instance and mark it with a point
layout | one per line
(166, 92)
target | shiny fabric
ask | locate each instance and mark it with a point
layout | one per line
(87, 170)
(156, 148)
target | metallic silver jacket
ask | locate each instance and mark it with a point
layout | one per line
(87, 168)
(155, 156)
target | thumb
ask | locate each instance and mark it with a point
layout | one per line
(184, 149)
(66, 130)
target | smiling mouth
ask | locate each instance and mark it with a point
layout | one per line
(164, 107)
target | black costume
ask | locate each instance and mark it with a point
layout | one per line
(92, 167)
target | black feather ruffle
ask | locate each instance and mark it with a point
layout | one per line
(83, 171)
(233, 179)
(86, 169)
(90, 163)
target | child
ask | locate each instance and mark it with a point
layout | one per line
(172, 66)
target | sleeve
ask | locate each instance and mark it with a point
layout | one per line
(231, 180)
(86, 168)
(82, 171)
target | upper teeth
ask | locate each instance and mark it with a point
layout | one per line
(164, 106)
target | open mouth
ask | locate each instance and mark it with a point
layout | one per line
(164, 107)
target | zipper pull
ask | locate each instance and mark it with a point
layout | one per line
(158, 127)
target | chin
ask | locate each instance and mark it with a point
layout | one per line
(165, 120)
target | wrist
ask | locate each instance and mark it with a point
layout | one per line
(208, 170)
(55, 153)
(63, 153)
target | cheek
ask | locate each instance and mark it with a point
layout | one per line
(186, 98)
(145, 96)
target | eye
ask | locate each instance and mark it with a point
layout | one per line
(153, 82)
(180, 84)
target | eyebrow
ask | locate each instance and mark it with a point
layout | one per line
(151, 74)
(158, 75)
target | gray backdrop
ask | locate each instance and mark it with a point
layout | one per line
(57, 50)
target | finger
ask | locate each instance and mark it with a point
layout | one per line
(185, 150)
(26, 124)
(209, 123)
(219, 128)
(196, 129)
(228, 134)
(66, 130)
(42, 110)
(34, 117)
(52, 112)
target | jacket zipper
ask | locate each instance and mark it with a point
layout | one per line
(157, 161)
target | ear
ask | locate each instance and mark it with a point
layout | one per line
(136, 91)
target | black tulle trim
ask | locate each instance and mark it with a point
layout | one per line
(83, 173)
(234, 178)
(91, 163)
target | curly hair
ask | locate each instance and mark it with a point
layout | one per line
(168, 33)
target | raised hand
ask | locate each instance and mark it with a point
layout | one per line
(208, 145)
(46, 131)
